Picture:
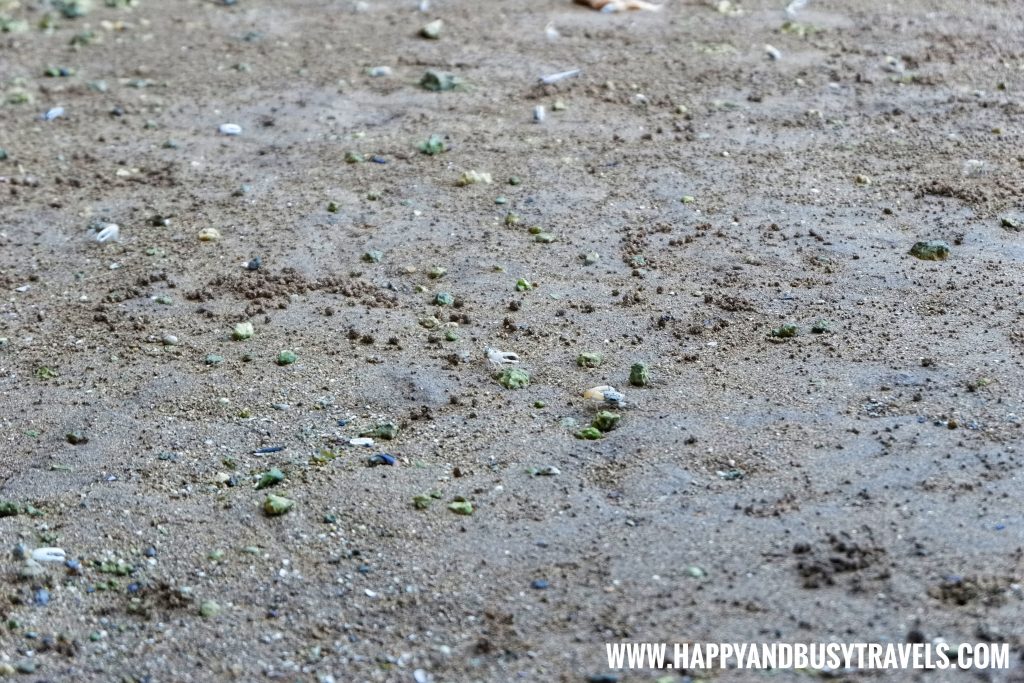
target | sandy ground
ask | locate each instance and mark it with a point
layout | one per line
(861, 484)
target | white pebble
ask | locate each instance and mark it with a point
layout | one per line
(361, 441)
(538, 113)
(54, 113)
(230, 129)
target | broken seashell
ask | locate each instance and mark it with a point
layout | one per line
(109, 231)
(605, 393)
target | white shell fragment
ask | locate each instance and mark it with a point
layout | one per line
(49, 555)
(230, 129)
(109, 232)
(560, 76)
(498, 357)
(54, 113)
(538, 113)
(794, 7)
(773, 52)
(361, 441)
(619, 5)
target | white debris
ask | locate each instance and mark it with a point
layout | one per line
(230, 129)
(361, 441)
(424, 5)
(498, 357)
(49, 555)
(794, 7)
(381, 72)
(538, 113)
(560, 76)
(54, 113)
(773, 52)
(551, 32)
(108, 232)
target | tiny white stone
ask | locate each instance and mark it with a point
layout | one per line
(538, 113)
(54, 113)
(230, 129)
(361, 441)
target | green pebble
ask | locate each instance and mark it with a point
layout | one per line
(523, 285)
(514, 180)
(444, 299)
(934, 250)
(269, 478)
(242, 331)
(451, 335)
(590, 259)
(501, 200)
(821, 327)
(514, 378)
(422, 501)
(8, 509)
(589, 434)
(461, 506)
(437, 272)
(439, 81)
(353, 157)
(606, 421)
(286, 358)
(384, 430)
(214, 359)
(165, 300)
(432, 146)
(275, 506)
(687, 199)
(332, 207)
(785, 331)
(75, 438)
(639, 375)
(512, 218)
(209, 609)
(539, 404)
(373, 256)
(588, 359)
(544, 238)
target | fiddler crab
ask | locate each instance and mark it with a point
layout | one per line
(499, 358)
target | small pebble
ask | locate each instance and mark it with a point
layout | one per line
(230, 129)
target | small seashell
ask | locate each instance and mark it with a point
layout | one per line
(230, 129)
(361, 441)
(109, 232)
(605, 393)
(773, 52)
(48, 555)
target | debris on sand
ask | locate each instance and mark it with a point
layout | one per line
(474, 178)
(440, 81)
(932, 250)
(432, 30)
(589, 359)
(513, 378)
(551, 79)
(606, 421)
(785, 331)
(619, 5)
(231, 129)
(461, 506)
(639, 375)
(275, 506)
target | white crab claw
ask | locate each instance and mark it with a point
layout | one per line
(48, 555)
